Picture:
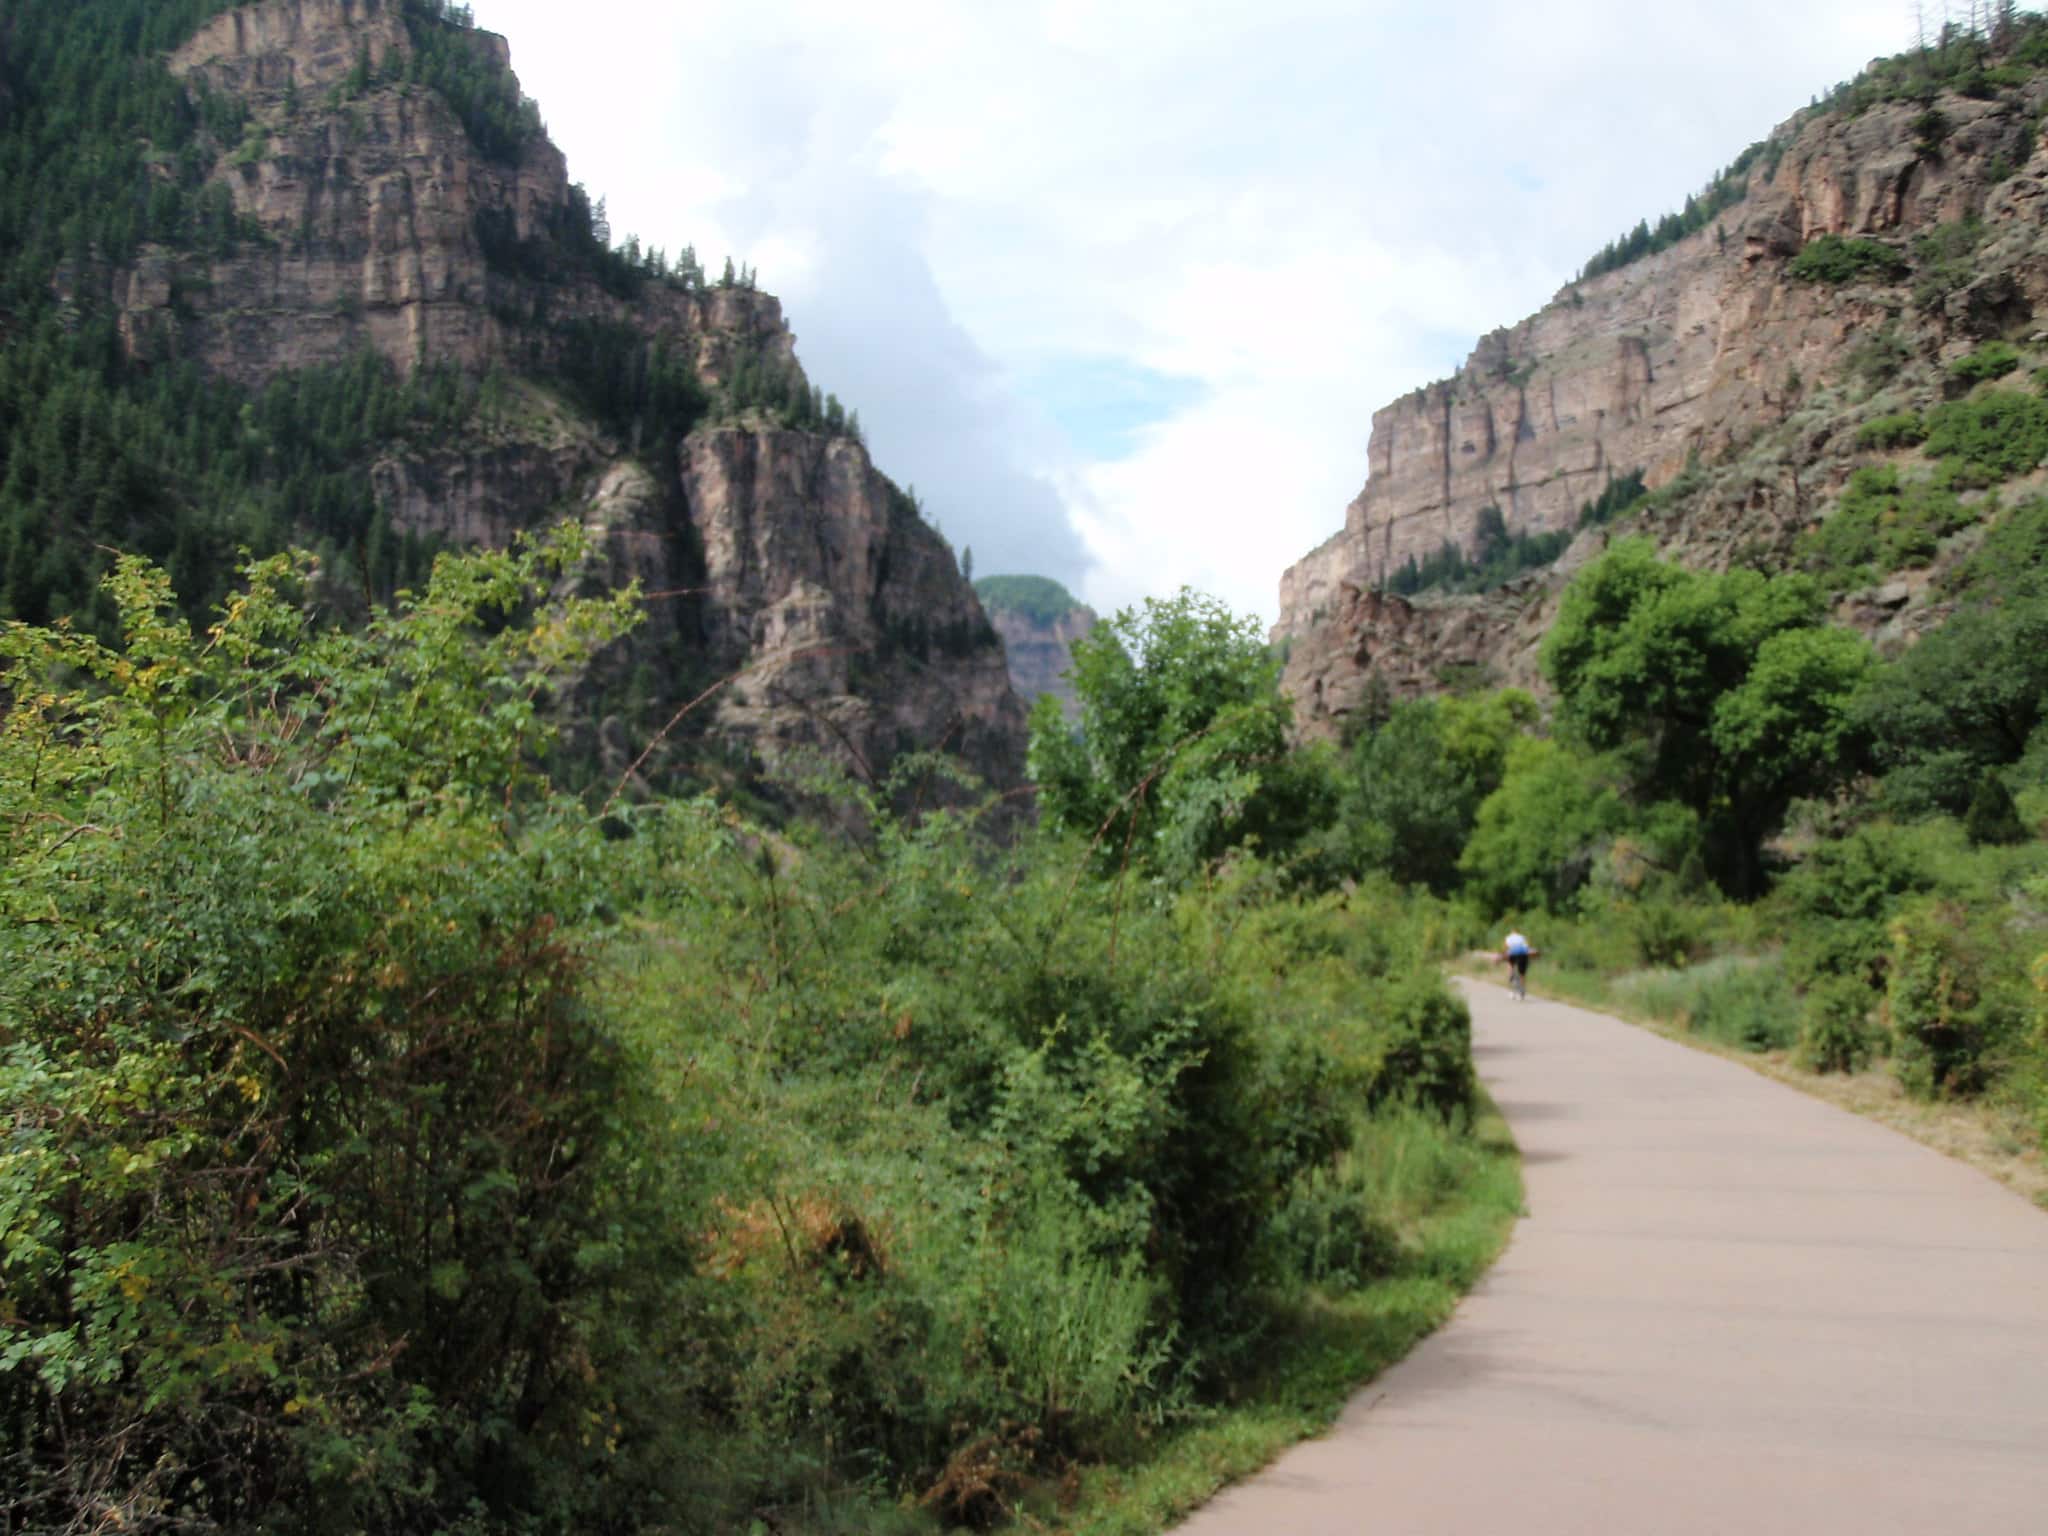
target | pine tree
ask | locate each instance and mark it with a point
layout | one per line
(1993, 817)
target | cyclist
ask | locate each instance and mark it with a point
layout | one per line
(1516, 952)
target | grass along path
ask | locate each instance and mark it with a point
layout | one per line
(1455, 1200)
(1990, 1138)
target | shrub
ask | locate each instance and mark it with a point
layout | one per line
(1666, 932)
(1839, 259)
(1073, 1334)
(1421, 1036)
(1737, 1001)
(1992, 816)
(1962, 702)
(1747, 1006)
(1993, 360)
(1989, 437)
(1877, 359)
(318, 1177)
(1942, 260)
(1950, 1010)
(1838, 901)
(1834, 1032)
(1883, 523)
(1904, 429)
(1328, 1234)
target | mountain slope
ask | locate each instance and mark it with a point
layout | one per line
(1879, 239)
(324, 278)
(1039, 621)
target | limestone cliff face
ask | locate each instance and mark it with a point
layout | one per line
(1041, 650)
(1693, 357)
(862, 637)
(781, 556)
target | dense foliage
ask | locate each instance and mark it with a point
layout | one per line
(447, 57)
(1730, 686)
(401, 1145)
(306, 1205)
(1180, 751)
(1837, 259)
(174, 465)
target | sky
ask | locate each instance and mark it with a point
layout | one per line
(1117, 286)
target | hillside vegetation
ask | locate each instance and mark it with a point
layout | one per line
(401, 1145)
(1038, 598)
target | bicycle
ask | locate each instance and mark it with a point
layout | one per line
(1518, 975)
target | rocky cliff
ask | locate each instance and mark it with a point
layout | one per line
(1733, 385)
(374, 217)
(1039, 621)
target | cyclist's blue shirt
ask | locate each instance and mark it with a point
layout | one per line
(1517, 945)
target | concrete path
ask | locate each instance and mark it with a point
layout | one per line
(1732, 1310)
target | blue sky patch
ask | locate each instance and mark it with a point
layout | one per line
(1102, 404)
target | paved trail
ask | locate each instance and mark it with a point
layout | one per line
(1732, 1310)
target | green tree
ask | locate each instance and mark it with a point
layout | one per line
(1966, 699)
(1992, 816)
(1536, 837)
(1412, 786)
(1180, 750)
(1721, 686)
(312, 1190)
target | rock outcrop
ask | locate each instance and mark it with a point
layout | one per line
(1039, 621)
(373, 221)
(1707, 361)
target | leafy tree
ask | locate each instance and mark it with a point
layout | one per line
(1697, 674)
(1993, 817)
(1965, 700)
(1180, 751)
(1412, 785)
(313, 1193)
(1535, 838)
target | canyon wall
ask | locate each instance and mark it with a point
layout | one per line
(1686, 365)
(778, 559)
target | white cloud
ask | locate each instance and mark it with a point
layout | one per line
(1301, 207)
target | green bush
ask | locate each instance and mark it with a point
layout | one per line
(1666, 932)
(1903, 429)
(1834, 1030)
(1964, 701)
(1329, 1233)
(1838, 259)
(1943, 261)
(321, 1177)
(1953, 999)
(1733, 999)
(1421, 1045)
(1838, 901)
(1992, 816)
(1883, 523)
(1989, 437)
(1993, 360)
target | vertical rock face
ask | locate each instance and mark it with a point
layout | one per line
(1039, 621)
(377, 224)
(1680, 359)
(860, 635)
